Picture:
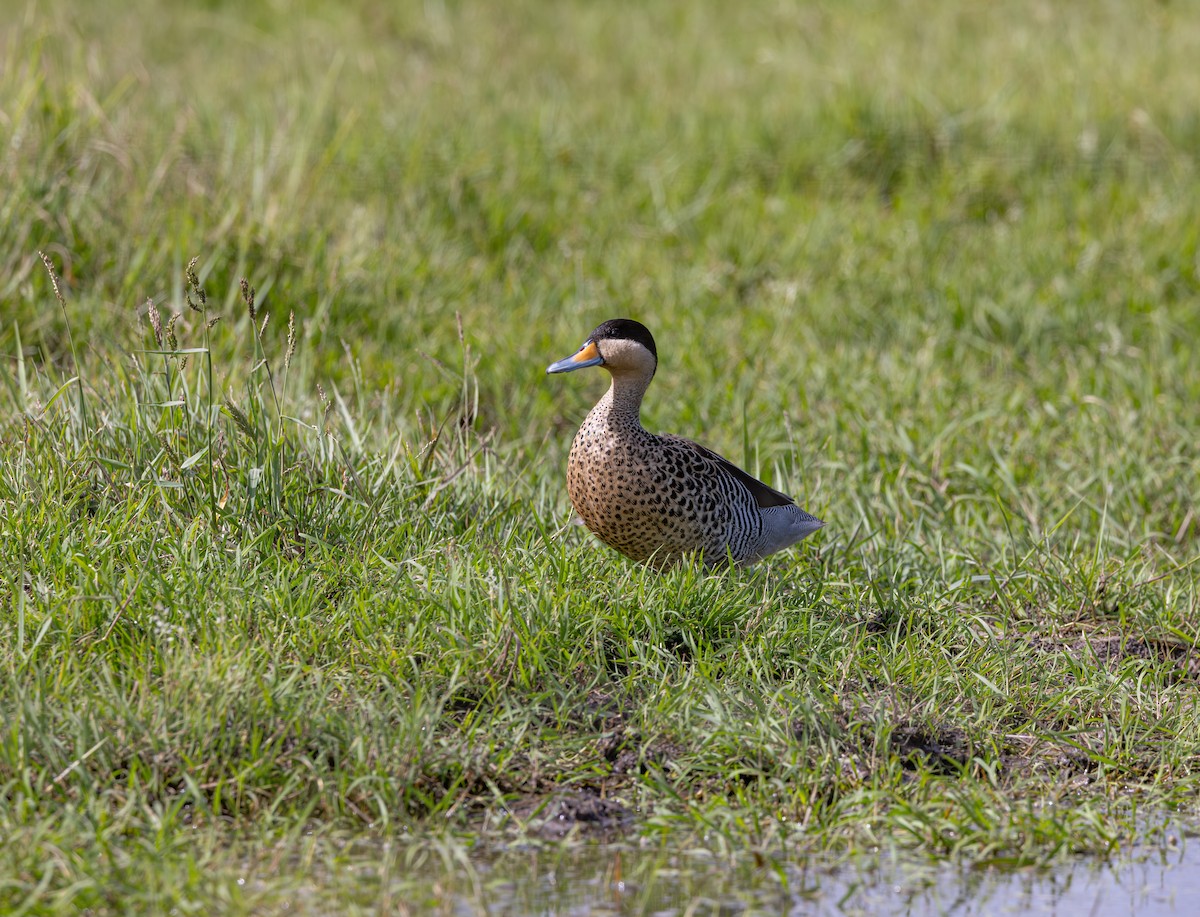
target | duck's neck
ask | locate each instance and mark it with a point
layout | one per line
(623, 400)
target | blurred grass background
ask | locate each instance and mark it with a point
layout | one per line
(796, 192)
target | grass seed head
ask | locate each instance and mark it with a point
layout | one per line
(155, 321)
(53, 278)
(291, 339)
(193, 282)
(240, 420)
(248, 298)
(326, 404)
(169, 450)
(172, 341)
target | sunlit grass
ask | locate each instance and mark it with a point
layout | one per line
(279, 583)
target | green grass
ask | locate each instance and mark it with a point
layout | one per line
(935, 271)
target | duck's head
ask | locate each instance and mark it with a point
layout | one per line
(620, 345)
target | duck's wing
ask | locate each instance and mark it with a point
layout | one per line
(763, 495)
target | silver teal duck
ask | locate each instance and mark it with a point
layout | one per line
(657, 499)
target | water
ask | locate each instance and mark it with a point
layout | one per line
(639, 876)
(624, 879)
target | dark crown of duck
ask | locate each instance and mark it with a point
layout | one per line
(625, 329)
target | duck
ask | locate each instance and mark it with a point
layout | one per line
(660, 498)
